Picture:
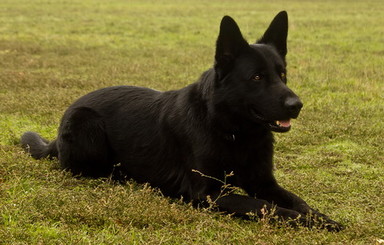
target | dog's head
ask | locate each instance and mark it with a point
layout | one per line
(251, 79)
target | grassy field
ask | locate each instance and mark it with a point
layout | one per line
(53, 51)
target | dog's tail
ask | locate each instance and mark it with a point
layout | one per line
(37, 146)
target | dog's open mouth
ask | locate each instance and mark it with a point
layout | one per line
(280, 126)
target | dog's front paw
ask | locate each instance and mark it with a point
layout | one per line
(333, 226)
(325, 222)
(316, 219)
(322, 221)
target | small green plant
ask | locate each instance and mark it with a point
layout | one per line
(225, 189)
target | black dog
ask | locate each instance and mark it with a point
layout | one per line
(187, 141)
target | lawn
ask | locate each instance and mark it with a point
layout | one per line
(53, 51)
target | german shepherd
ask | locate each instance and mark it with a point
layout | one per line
(186, 142)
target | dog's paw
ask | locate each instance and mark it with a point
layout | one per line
(328, 224)
(322, 221)
(316, 221)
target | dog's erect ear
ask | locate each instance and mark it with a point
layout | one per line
(277, 33)
(230, 41)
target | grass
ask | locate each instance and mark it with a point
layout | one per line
(52, 52)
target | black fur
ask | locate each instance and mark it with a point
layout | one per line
(174, 140)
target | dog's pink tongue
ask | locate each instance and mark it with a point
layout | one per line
(285, 123)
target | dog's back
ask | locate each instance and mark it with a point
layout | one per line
(129, 132)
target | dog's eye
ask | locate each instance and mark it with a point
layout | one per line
(257, 77)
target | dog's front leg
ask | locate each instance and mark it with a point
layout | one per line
(244, 206)
(283, 198)
(286, 199)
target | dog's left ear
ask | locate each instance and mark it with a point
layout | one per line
(277, 33)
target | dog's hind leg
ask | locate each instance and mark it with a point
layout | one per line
(83, 145)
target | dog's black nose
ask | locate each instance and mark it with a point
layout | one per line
(293, 105)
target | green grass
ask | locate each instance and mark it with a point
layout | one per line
(53, 51)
